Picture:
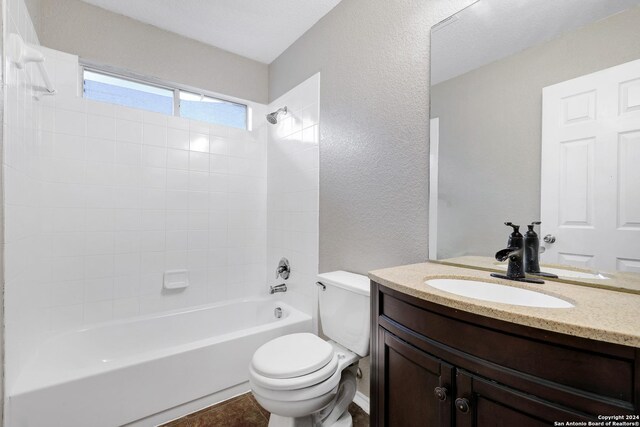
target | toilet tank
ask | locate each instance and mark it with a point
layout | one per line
(344, 310)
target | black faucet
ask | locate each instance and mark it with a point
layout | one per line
(514, 252)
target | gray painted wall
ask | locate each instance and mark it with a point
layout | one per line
(373, 56)
(490, 131)
(34, 7)
(99, 35)
(374, 60)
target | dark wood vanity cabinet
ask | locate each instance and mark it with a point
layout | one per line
(437, 366)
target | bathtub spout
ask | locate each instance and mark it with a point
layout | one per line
(279, 288)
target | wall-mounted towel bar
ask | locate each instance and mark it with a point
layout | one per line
(21, 53)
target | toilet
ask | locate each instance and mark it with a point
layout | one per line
(303, 380)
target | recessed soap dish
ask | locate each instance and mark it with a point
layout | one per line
(176, 279)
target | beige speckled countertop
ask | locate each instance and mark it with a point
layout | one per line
(598, 314)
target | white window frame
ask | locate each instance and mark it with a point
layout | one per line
(162, 84)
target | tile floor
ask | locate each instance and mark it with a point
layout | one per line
(244, 411)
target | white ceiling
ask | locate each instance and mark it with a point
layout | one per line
(257, 29)
(490, 30)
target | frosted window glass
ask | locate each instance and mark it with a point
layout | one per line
(212, 110)
(106, 88)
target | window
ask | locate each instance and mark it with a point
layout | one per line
(165, 99)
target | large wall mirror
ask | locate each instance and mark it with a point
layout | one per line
(535, 116)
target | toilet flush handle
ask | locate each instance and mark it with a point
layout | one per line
(324, 287)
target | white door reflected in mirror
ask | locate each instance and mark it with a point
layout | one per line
(590, 186)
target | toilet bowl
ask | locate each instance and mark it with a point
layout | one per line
(303, 380)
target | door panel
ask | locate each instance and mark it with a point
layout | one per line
(410, 379)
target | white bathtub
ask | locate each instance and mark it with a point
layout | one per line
(136, 371)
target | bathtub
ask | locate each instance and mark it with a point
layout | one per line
(149, 369)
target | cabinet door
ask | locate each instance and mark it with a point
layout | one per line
(414, 388)
(479, 402)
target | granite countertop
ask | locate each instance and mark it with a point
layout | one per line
(598, 314)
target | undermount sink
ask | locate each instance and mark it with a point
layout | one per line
(567, 274)
(497, 293)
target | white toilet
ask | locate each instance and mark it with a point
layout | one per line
(304, 380)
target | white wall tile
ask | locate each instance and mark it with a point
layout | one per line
(177, 139)
(100, 150)
(97, 243)
(153, 220)
(218, 164)
(153, 118)
(177, 179)
(98, 290)
(152, 241)
(128, 131)
(102, 174)
(219, 145)
(100, 108)
(199, 142)
(125, 307)
(129, 154)
(70, 122)
(198, 161)
(154, 134)
(98, 266)
(177, 200)
(129, 114)
(101, 199)
(99, 311)
(99, 126)
(69, 146)
(177, 159)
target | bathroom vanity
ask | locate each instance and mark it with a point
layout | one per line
(439, 359)
(520, 129)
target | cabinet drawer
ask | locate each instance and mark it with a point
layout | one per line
(574, 364)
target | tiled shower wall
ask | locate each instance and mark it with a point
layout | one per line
(22, 191)
(292, 193)
(101, 200)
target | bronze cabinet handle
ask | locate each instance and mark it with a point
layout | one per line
(462, 404)
(441, 393)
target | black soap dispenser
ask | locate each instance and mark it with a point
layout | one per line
(532, 252)
(531, 249)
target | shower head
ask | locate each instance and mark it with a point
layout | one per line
(273, 117)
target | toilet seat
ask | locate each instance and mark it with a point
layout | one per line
(291, 356)
(295, 383)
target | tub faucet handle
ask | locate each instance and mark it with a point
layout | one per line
(284, 269)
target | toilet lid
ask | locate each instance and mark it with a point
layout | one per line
(292, 356)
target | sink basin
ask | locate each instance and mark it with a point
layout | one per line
(497, 293)
(567, 274)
